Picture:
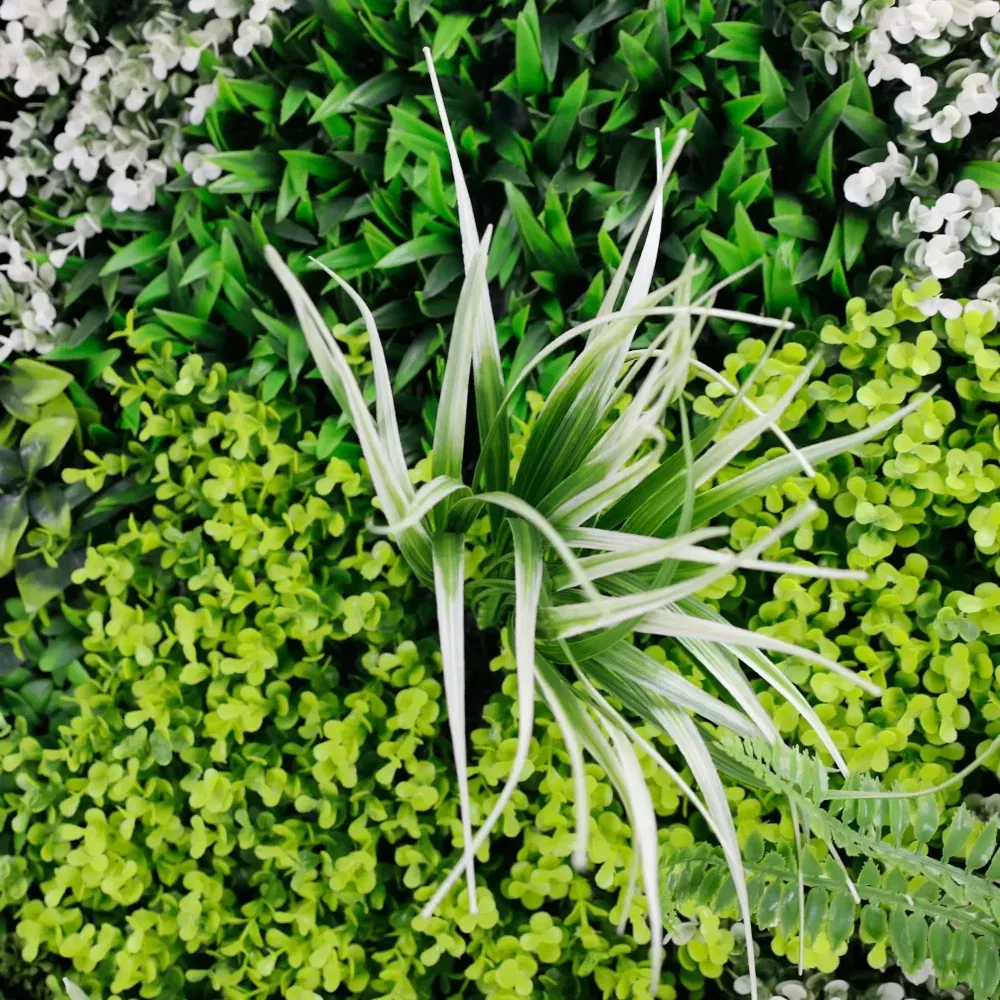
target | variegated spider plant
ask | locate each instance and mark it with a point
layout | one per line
(599, 535)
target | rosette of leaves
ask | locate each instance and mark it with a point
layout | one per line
(40, 421)
(596, 477)
(47, 509)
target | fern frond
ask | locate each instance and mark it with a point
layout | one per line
(918, 906)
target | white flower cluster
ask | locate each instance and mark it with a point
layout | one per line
(871, 184)
(939, 108)
(102, 125)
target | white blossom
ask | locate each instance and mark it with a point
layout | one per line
(911, 105)
(201, 169)
(941, 255)
(978, 96)
(251, 34)
(200, 101)
(866, 187)
(947, 124)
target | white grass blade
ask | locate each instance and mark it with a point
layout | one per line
(637, 314)
(768, 672)
(675, 624)
(574, 750)
(713, 557)
(751, 482)
(385, 409)
(737, 439)
(644, 840)
(720, 663)
(528, 586)
(394, 491)
(691, 745)
(73, 991)
(449, 575)
(427, 498)
(466, 217)
(611, 488)
(653, 205)
(524, 510)
(635, 796)
(642, 279)
(758, 412)
(633, 555)
(576, 619)
(633, 877)
(714, 808)
(652, 681)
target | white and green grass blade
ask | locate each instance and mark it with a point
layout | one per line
(466, 217)
(73, 992)
(671, 720)
(575, 619)
(487, 368)
(449, 429)
(633, 793)
(519, 507)
(527, 588)
(563, 704)
(449, 575)
(645, 842)
(625, 553)
(427, 498)
(715, 376)
(388, 474)
(738, 439)
(385, 410)
(649, 680)
(720, 498)
(394, 491)
(762, 666)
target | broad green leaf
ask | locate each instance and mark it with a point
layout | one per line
(420, 248)
(822, 122)
(139, 251)
(528, 68)
(984, 172)
(554, 137)
(34, 383)
(13, 524)
(373, 93)
(43, 442)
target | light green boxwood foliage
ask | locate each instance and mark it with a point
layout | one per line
(254, 791)
(255, 787)
(914, 510)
